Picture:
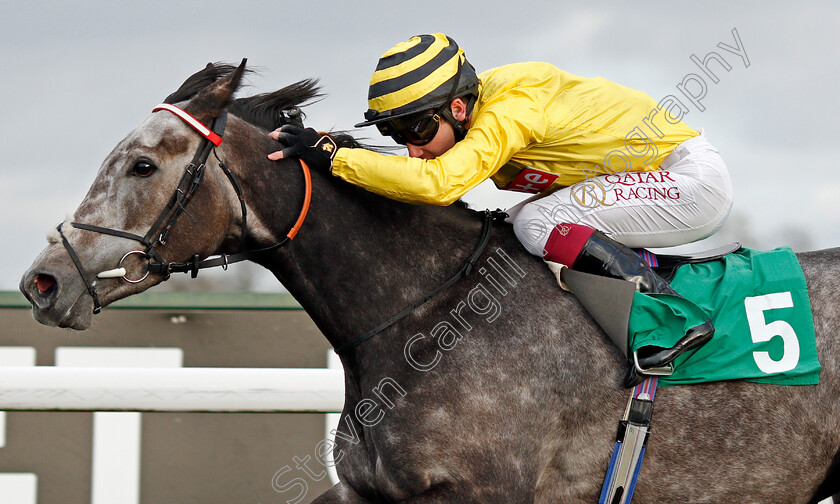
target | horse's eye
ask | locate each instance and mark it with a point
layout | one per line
(143, 169)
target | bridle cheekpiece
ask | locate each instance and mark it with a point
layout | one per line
(159, 232)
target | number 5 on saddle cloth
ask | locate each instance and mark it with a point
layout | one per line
(764, 333)
(758, 301)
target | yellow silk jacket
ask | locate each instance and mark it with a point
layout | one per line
(535, 128)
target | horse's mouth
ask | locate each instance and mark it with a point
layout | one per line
(80, 314)
(77, 316)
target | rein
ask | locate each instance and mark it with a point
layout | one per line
(489, 217)
(189, 184)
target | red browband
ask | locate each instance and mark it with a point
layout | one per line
(192, 121)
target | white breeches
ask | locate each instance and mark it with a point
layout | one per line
(688, 199)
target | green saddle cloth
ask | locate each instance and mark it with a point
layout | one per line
(758, 301)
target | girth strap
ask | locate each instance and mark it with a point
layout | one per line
(631, 442)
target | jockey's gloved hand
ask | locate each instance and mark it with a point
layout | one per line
(316, 149)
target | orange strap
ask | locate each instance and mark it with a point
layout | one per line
(306, 199)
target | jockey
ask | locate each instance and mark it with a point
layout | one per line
(611, 168)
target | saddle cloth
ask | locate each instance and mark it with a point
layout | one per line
(758, 301)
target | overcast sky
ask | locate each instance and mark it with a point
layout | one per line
(80, 75)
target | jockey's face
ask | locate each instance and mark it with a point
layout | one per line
(445, 137)
(442, 142)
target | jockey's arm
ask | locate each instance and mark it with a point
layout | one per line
(498, 131)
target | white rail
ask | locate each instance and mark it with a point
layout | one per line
(43, 388)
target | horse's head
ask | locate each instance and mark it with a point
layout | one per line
(141, 190)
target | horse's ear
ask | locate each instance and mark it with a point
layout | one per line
(210, 101)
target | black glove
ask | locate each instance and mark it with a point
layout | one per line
(316, 149)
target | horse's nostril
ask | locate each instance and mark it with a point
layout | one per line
(45, 284)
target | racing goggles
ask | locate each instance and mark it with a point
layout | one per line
(414, 129)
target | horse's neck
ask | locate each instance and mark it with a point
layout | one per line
(355, 264)
(359, 258)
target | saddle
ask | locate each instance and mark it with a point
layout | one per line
(609, 300)
(666, 265)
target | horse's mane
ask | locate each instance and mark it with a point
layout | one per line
(265, 110)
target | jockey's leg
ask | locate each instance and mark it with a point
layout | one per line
(591, 251)
(687, 202)
(585, 249)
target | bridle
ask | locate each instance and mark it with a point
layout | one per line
(160, 231)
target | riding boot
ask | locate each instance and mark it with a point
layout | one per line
(591, 251)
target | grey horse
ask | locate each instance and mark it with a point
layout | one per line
(499, 388)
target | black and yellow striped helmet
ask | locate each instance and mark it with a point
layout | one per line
(422, 73)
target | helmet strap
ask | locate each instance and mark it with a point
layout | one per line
(460, 127)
